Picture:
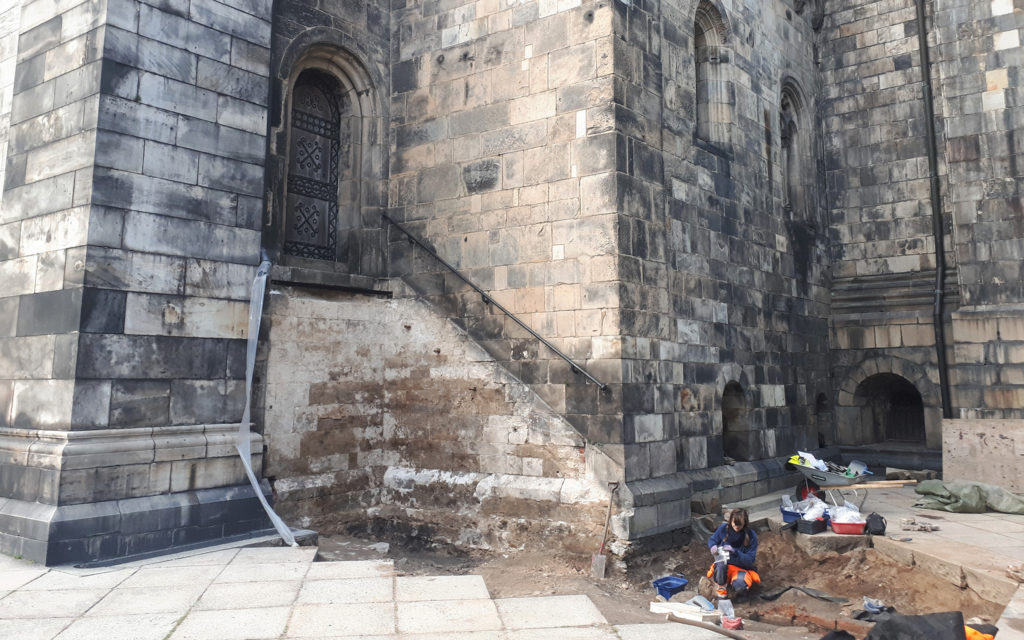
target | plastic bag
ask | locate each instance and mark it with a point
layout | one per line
(813, 461)
(814, 511)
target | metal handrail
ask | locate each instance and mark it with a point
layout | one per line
(576, 368)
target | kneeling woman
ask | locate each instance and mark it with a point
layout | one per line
(740, 541)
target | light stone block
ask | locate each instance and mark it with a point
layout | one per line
(1001, 7)
(1006, 40)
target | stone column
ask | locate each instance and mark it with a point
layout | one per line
(129, 234)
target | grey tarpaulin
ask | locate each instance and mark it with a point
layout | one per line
(963, 496)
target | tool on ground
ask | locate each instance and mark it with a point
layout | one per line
(703, 625)
(599, 560)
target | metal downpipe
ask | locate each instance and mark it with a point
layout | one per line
(936, 199)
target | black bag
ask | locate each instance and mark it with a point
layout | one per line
(875, 525)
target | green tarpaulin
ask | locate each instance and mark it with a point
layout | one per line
(962, 496)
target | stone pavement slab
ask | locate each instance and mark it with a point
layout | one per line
(233, 624)
(350, 590)
(413, 588)
(143, 600)
(33, 628)
(341, 620)
(669, 631)
(152, 626)
(447, 616)
(230, 595)
(551, 611)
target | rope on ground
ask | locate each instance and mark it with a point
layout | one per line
(703, 625)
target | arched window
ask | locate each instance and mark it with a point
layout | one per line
(314, 154)
(795, 160)
(327, 166)
(714, 91)
(736, 431)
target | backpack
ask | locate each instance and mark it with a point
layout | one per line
(875, 525)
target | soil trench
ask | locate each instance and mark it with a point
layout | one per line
(625, 594)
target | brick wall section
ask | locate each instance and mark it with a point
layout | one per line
(131, 214)
(720, 283)
(503, 157)
(178, 185)
(880, 208)
(981, 57)
(45, 219)
(10, 19)
(876, 158)
(426, 428)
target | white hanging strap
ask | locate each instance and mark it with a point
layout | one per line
(243, 443)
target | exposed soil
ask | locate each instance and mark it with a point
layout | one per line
(624, 595)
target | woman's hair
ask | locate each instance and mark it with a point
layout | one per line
(740, 517)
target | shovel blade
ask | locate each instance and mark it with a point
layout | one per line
(597, 565)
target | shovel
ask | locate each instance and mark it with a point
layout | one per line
(599, 559)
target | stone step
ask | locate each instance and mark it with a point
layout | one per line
(903, 456)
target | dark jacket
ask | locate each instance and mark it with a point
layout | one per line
(743, 556)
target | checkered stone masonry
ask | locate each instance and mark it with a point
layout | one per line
(129, 231)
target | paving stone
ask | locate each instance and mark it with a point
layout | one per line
(564, 633)
(121, 627)
(56, 579)
(175, 599)
(157, 576)
(12, 578)
(414, 588)
(44, 628)
(447, 616)
(276, 593)
(351, 590)
(538, 613)
(233, 624)
(274, 555)
(326, 620)
(263, 572)
(45, 604)
(668, 631)
(355, 569)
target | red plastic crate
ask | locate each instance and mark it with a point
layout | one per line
(855, 528)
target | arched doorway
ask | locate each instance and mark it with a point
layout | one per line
(891, 409)
(735, 424)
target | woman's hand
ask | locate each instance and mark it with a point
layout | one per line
(714, 550)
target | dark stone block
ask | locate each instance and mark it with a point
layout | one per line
(404, 76)
(77, 550)
(147, 542)
(40, 39)
(581, 398)
(637, 398)
(118, 79)
(29, 73)
(103, 311)
(50, 312)
(206, 401)
(481, 176)
(150, 357)
(85, 520)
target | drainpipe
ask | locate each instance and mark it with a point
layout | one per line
(936, 198)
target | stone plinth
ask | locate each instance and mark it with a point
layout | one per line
(989, 451)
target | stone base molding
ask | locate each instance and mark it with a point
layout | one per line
(106, 493)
